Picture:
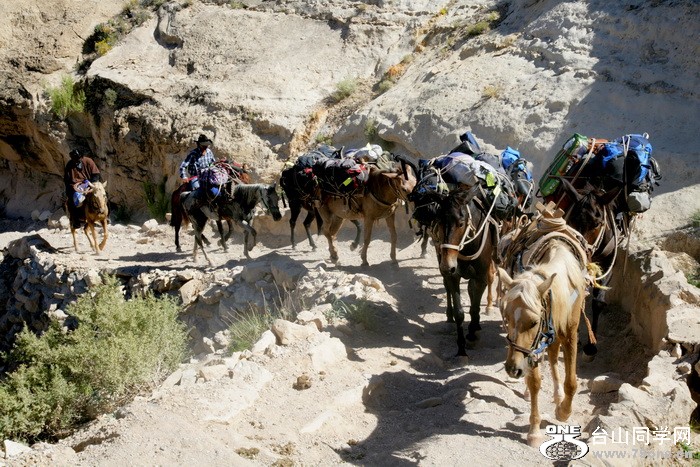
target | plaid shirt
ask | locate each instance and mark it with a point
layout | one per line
(195, 162)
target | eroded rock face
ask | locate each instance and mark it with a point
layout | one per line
(257, 80)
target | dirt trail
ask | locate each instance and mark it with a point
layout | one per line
(399, 398)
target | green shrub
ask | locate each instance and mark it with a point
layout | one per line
(344, 89)
(371, 130)
(64, 378)
(110, 98)
(694, 278)
(322, 138)
(246, 328)
(157, 200)
(695, 219)
(361, 312)
(66, 98)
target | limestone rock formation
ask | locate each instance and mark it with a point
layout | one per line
(259, 79)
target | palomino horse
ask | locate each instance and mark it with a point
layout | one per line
(93, 210)
(466, 236)
(238, 210)
(541, 310)
(384, 190)
(590, 212)
(302, 191)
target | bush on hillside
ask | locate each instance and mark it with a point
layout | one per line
(66, 98)
(64, 378)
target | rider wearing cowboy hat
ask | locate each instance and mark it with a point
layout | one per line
(197, 160)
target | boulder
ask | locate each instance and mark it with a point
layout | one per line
(287, 332)
(266, 341)
(189, 291)
(327, 353)
(605, 383)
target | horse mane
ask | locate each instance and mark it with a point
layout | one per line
(250, 192)
(570, 280)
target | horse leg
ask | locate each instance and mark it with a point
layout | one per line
(75, 240)
(94, 238)
(553, 357)
(534, 382)
(424, 242)
(597, 307)
(490, 279)
(563, 410)
(369, 223)
(247, 231)
(222, 241)
(104, 234)
(391, 225)
(331, 229)
(476, 291)
(454, 300)
(87, 234)
(307, 227)
(294, 211)
(358, 233)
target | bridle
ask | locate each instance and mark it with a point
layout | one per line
(546, 335)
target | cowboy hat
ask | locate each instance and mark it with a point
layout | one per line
(203, 139)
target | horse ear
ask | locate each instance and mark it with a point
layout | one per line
(608, 197)
(544, 286)
(568, 187)
(504, 277)
(104, 184)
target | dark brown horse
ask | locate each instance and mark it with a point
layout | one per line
(237, 210)
(467, 239)
(382, 194)
(590, 211)
(179, 218)
(302, 191)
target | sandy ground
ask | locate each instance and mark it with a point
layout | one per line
(424, 405)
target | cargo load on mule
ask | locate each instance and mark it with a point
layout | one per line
(218, 178)
(623, 164)
(509, 163)
(445, 173)
(340, 177)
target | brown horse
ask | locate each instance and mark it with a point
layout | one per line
(384, 191)
(93, 210)
(541, 310)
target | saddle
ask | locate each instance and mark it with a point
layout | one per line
(526, 245)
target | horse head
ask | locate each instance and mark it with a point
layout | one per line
(457, 222)
(587, 214)
(96, 199)
(270, 199)
(522, 312)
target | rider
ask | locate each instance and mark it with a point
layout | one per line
(196, 161)
(79, 172)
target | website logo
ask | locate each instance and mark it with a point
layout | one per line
(563, 446)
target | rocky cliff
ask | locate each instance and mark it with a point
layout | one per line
(259, 76)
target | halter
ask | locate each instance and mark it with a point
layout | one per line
(546, 335)
(464, 241)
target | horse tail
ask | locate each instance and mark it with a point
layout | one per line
(178, 217)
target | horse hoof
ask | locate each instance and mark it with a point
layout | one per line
(561, 415)
(178, 249)
(534, 440)
(365, 265)
(353, 246)
(472, 337)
